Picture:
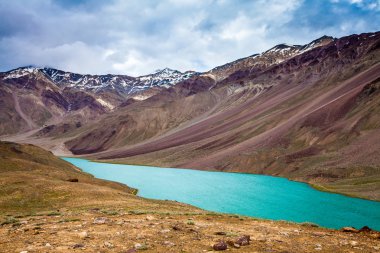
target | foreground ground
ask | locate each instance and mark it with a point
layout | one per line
(110, 230)
(48, 205)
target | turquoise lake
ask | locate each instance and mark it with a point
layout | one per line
(246, 194)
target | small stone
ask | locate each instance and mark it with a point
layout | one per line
(349, 230)
(140, 246)
(47, 245)
(244, 240)
(177, 227)
(169, 244)
(131, 251)
(220, 246)
(164, 231)
(220, 233)
(318, 247)
(100, 220)
(24, 251)
(83, 235)
(149, 217)
(78, 245)
(108, 245)
(353, 243)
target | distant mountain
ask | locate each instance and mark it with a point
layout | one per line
(306, 112)
(98, 83)
(309, 113)
(32, 97)
(275, 55)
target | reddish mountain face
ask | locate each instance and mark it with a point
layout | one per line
(298, 116)
(31, 100)
(34, 97)
(309, 113)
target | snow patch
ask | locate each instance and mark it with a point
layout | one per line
(141, 97)
(105, 103)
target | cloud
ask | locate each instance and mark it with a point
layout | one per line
(138, 37)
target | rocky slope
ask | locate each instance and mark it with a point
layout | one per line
(48, 205)
(311, 115)
(33, 97)
(275, 55)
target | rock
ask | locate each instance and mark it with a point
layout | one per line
(365, 229)
(165, 231)
(149, 217)
(24, 251)
(100, 220)
(353, 243)
(349, 230)
(73, 180)
(78, 245)
(244, 240)
(318, 247)
(83, 235)
(169, 244)
(177, 227)
(47, 245)
(220, 233)
(108, 245)
(139, 246)
(220, 246)
(131, 251)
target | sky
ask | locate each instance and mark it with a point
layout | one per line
(138, 37)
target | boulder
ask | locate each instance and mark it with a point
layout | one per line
(221, 245)
(365, 229)
(243, 240)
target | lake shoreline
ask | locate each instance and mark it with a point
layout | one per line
(268, 177)
(315, 186)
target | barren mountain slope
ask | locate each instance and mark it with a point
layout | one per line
(309, 113)
(300, 118)
(59, 99)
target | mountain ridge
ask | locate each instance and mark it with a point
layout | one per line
(125, 83)
(291, 111)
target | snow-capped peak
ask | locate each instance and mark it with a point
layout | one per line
(20, 72)
(96, 83)
(165, 77)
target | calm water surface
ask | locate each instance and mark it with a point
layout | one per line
(252, 195)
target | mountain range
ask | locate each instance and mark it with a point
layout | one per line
(306, 112)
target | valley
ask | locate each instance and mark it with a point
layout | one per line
(308, 113)
(190, 126)
(49, 205)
